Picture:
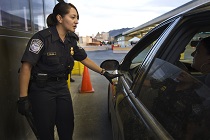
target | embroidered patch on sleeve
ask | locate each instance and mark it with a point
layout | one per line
(36, 46)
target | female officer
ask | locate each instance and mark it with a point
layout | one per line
(50, 23)
(44, 70)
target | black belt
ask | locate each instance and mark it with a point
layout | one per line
(56, 78)
(34, 78)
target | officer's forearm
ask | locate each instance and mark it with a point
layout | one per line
(25, 73)
(91, 65)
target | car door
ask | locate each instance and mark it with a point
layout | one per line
(126, 122)
(177, 100)
(169, 99)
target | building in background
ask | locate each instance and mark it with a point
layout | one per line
(104, 36)
(99, 39)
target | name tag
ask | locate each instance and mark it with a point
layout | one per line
(51, 53)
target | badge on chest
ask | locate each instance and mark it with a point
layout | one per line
(72, 50)
(51, 53)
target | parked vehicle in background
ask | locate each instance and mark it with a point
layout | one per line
(148, 101)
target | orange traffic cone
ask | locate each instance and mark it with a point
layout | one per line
(86, 86)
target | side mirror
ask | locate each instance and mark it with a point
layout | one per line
(110, 65)
(194, 43)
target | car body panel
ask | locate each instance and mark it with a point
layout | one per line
(148, 91)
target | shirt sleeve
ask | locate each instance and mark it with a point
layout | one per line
(33, 50)
(79, 53)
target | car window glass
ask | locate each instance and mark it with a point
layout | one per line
(139, 58)
(136, 62)
(185, 57)
(180, 102)
(142, 49)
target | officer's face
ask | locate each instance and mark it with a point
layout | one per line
(70, 20)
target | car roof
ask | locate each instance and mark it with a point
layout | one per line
(196, 7)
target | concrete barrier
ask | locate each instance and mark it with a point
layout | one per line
(121, 50)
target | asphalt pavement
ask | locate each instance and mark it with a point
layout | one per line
(90, 109)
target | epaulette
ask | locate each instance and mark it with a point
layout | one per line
(46, 32)
(72, 34)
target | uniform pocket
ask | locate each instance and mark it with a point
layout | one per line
(52, 60)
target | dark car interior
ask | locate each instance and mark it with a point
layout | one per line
(186, 59)
(180, 104)
(172, 110)
(159, 89)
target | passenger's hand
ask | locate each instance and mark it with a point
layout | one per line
(24, 105)
(111, 76)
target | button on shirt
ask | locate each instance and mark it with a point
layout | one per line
(48, 54)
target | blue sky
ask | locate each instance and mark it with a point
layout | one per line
(105, 15)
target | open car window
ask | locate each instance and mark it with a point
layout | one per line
(179, 101)
(140, 57)
(138, 53)
(186, 58)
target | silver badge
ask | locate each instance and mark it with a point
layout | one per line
(36, 46)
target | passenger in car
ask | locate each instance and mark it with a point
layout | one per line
(201, 60)
(184, 100)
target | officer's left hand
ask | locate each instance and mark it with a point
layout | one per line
(111, 76)
(24, 105)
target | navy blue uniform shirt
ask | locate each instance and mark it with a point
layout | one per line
(48, 54)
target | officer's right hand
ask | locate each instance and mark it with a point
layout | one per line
(24, 105)
(110, 76)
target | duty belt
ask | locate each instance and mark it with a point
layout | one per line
(56, 78)
(45, 77)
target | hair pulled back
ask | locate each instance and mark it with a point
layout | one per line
(62, 8)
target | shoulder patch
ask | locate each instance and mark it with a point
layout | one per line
(36, 46)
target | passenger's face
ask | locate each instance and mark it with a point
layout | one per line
(70, 20)
(200, 57)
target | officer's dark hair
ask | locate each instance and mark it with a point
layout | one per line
(50, 20)
(62, 8)
(206, 43)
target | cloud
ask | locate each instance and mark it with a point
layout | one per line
(105, 15)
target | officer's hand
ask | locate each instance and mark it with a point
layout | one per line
(111, 76)
(24, 105)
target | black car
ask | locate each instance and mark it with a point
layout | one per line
(148, 102)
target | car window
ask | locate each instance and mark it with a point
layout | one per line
(179, 101)
(186, 59)
(139, 58)
(135, 57)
